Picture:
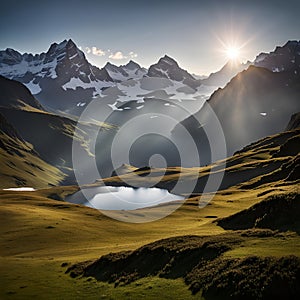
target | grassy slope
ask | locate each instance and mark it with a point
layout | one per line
(16, 171)
(38, 234)
(52, 137)
(247, 168)
(20, 164)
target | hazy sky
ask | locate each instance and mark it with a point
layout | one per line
(193, 32)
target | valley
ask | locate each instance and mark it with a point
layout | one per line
(143, 183)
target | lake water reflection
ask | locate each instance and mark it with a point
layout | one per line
(122, 198)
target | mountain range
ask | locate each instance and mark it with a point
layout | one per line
(48, 135)
(238, 239)
(257, 102)
(131, 70)
(63, 80)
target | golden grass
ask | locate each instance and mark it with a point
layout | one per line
(39, 234)
(25, 166)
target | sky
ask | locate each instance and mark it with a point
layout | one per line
(194, 32)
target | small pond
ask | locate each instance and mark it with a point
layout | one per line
(122, 198)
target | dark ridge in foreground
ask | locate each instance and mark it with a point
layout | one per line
(249, 278)
(15, 94)
(278, 212)
(198, 260)
(170, 258)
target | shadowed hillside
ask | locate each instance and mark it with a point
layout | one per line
(268, 160)
(280, 212)
(52, 136)
(254, 104)
(294, 122)
(198, 260)
(20, 164)
(15, 94)
(62, 235)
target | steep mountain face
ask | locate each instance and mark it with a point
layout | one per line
(59, 78)
(294, 122)
(7, 129)
(20, 164)
(285, 58)
(167, 67)
(63, 80)
(164, 81)
(53, 137)
(14, 94)
(50, 135)
(256, 103)
(223, 76)
(132, 70)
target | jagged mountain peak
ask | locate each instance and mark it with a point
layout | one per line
(108, 64)
(292, 47)
(57, 46)
(167, 67)
(292, 43)
(11, 51)
(56, 74)
(64, 43)
(131, 70)
(226, 73)
(283, 58)
(70, 42)
(167, 60)
(132, 65)
(67, 48)
(10, 56)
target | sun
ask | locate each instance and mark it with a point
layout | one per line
(233, 53)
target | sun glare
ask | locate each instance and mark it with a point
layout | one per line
(232, 53)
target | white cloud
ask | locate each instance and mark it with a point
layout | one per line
(117, 55)
(132, 54)
(97, 51)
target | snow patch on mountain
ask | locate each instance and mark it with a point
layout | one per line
(156, 88)
(33, 87)
(35, 67)
(64, 70)
(124, 72)
(76, 83)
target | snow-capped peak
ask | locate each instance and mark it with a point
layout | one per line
(131, 70)
(168, 60)
(64, 66)
(167, 67)
(65, 49)
(10, 56)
